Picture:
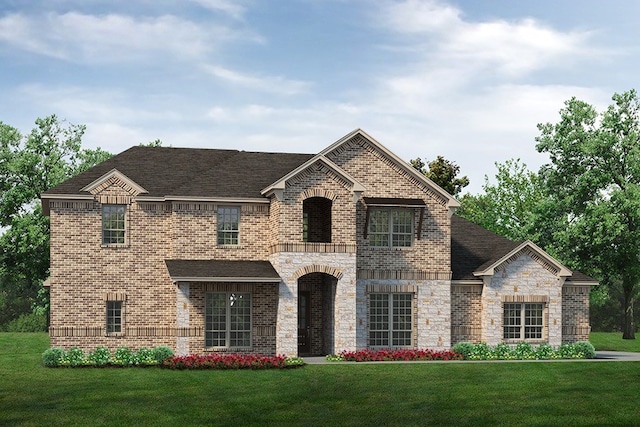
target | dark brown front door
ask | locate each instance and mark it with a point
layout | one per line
(304, 322)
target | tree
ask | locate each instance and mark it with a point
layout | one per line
(444, 173)
(593, 187)
(506, 207)
(29, 165)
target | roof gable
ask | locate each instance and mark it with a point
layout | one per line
(437, 191)
(277, 188)
(114, 177)
(525, 248)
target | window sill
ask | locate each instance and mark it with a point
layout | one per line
(114, 334)
(230, 247)
(115, 245)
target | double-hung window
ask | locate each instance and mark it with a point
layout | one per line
(523, 321)
(114, 317)
(113, 224)
(391, 320)
(390, 227)
(228, 225)
(228, 319)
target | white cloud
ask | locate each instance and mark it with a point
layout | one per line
(440, 34)
(79, 37)
(231, 7)
(277, 84)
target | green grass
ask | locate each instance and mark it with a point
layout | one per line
(341, 394)
(612, 341)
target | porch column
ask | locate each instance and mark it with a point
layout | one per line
(182, 317)
(287, 323)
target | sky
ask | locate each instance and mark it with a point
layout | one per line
(465, 79)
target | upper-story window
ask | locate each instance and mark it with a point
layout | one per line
(228, 225)
(113, 224)
(391, 227)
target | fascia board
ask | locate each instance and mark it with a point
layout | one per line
(227, 279)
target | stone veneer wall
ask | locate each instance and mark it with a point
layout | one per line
(522, 280)
(432, 312)
(575, 312)
(293, 265)
(466, 313)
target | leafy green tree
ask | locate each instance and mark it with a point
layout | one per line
(507, 206)
(29, 165)
(593, 188)
(443, 172)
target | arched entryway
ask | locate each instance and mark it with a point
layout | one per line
(316, 314)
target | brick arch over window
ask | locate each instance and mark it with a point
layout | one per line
(315, 268)
(318, 192)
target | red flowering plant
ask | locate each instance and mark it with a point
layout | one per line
(400, 354)
(229, 361)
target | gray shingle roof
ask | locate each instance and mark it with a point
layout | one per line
(164, 171)
(475, 248)
(221, 269)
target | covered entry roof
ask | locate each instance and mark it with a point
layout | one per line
(182, 270)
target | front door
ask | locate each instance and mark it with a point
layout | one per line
(304, 322)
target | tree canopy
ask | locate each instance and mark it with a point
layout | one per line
(29, 165)
(507, 206)
(444, 173)
(593, 190)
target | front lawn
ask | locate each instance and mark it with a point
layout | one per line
(438, 393)
(612, 341)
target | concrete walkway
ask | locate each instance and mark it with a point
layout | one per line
(601, 356)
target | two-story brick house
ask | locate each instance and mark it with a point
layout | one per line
(223, 250)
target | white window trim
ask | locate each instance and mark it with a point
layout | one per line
(522, 338)
(228, 322)
(390, 329)
(390, 232)
(125, 242)
(218, 231)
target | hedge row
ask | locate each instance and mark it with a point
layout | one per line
(102, 357)
(525, 351)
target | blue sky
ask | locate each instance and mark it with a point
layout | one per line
(465, 79)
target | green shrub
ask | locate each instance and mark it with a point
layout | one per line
(503, 352)
(145, 356)
(585, 348)
(28, 322)
(52, 357)
(124, 356)
(463, 348)
(101, 356)
(75, 357)
(545, 351)
(481, 351)
(294, 362)
(161, 353)
(524, 351)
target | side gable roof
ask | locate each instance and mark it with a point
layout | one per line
(166, 172)
(451, 202)
(476, 251)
